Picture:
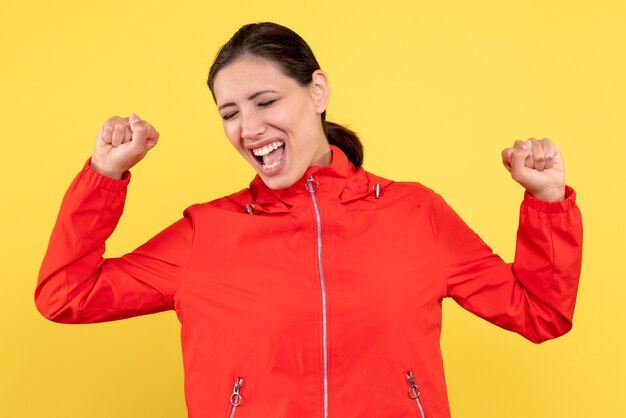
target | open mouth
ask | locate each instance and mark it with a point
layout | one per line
(270, 155)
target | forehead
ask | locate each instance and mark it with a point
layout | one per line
(248, 75)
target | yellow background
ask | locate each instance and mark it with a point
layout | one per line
(435, 89)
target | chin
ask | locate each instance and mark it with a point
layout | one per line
(279, 182)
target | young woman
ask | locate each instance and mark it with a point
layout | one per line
(320, 278)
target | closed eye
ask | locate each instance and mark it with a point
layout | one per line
(229, 116)
(267, 103)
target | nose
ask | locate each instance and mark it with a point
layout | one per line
(251, 126)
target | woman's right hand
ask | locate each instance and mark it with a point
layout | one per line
(122, 143)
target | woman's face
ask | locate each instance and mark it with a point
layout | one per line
(274, 122)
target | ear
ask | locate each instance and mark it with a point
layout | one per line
(320, 91)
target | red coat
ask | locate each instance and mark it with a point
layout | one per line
(321, 300)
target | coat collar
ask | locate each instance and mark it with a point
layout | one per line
(338, 181)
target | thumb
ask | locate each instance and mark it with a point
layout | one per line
(144, 136)
(134, 118)
(521, 151)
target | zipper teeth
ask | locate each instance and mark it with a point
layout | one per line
(419, 405)
(318, 221)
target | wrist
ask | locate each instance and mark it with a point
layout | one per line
(112, 174)
(553, 195)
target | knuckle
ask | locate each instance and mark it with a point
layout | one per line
(113, 119)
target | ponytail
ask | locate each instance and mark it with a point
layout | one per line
(346, 140)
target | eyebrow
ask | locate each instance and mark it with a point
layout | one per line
(254, 96)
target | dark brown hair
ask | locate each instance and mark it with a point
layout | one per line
(295, 58)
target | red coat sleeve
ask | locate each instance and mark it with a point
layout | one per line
(534, 296)
(77, 285)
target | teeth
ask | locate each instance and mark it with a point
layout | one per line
(259, 152)
(267, 167)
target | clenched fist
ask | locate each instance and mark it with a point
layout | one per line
(122, 143)
(538, 166)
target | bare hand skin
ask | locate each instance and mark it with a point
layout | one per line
(538, 166)
(122, 143)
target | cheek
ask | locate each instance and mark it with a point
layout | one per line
(281, 118)
(293, 118)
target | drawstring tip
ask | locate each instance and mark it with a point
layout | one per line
(377, 190)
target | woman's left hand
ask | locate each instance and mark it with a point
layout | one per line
(538, 166)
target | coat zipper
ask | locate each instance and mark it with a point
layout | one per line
(236, 399)
(414, 392)
(312, 186)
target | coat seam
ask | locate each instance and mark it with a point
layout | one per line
(184, 274)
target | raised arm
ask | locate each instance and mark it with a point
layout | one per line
(76, 284)
(535, 296)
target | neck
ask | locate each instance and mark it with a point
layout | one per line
(324, 156)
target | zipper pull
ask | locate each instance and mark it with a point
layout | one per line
(414, 390)
(311, 185)
(236, 399)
